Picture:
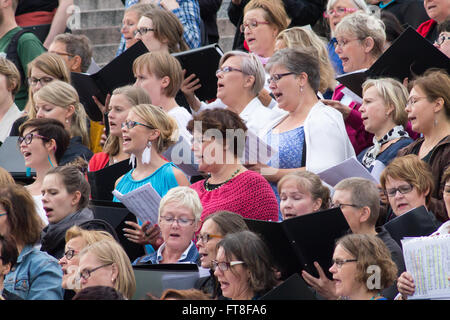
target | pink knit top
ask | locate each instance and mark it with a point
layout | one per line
(247, 194)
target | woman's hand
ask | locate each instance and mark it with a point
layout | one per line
(103, 108)
(188, 87)
(338, 106)
(144, 234)
(405, 285)
(324, 286)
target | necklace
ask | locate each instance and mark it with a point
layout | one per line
(211, 187)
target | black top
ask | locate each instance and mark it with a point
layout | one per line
(27, 6)
(208, 13)
(408, 12)
(76, 149)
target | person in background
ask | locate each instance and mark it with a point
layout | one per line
(353, 256)
(428, 109)
(5, 177)
(60, 101)
(438, 11)
(42, 143)
(393, 28)
(105, 263)
(208, 13)
(214, 228)
(243, 266)
(98, 293)
(9, 86)
(443, 40)
(8, 254)
(75, 49)
(39, 273)
(188, 294)
(302, 192)
(65, 198)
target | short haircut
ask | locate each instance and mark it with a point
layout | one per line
(363, 193)
(183, 197)
(167, 28)
(24, 223)
(370, 250)
(158, 119)
(74, 180)
(98, 293)
(250, 65)
(110, 251)
(435, 84)
(362, 25)
(359, 4)
(12, 75)
(89, 236)
(161, 64)
(446, 175)
(51, 129)
(274, 12)
(77, 45)
(221, 121)
(248, 247)
(393, 94)
(444, 26)
(311, 182)
(298, 60)
(8, 252)
(301, 37)
(413, 170)
(14, 4)
(227, 222)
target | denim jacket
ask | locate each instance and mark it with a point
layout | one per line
(35, 276)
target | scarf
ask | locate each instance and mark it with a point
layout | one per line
(373, 151)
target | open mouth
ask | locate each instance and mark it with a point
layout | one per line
(250, 40)
(126, 140)
(26, 154)
(289, 215)
(219, 85)
(48, 211)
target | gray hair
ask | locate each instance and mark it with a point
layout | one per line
(298, 60)
(362, 26)
(184, 197)
(360, 4)
(250, 65)
(78, 45)
(363, 193)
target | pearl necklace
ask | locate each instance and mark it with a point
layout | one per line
(217, 186)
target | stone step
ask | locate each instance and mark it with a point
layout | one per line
(101, 18)
(98, 4)
(101, 35)
(104, 53)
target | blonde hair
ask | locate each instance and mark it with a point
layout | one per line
(51, 64)
(183, 197)
(161, 64)
(158, 119)
(10, 71)
(89, 236)
(393, 94)
(275, 12)
(299, 37)
(63, 95)
(134, 96)
(110, 251)
(5, 177)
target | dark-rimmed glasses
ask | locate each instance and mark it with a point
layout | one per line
(252, 24)
(131, 124)
(43, 81)
(29, 137)
(182, 222)
(404, 189)
(86, 273)
(224, 266)
(341, 205)
(69, 254)
(206, 237)
(62, 53)
(227, 69)
(143, 31)
(277, 76)
(440, 40)
(339, 263)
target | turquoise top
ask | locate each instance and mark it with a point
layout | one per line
(162, 180)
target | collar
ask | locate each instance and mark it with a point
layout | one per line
(250, 107)
(25, 252)
(183, 256)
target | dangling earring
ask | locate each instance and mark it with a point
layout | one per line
(301, 89)
(146, 154)
(132, 160)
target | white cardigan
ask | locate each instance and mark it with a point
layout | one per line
(327, 141)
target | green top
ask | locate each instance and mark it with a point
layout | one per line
(28, 48)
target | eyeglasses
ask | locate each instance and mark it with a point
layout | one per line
(182, 222)
(86, 273)
(227, 69)
(29, 137)
(69, 254)
(277, 76)
(62, 53)
(224, 266)
(252, 24)
(206, 237)
(343, 43)
(440, 40)
(43, 81)
(339, 263)
(131, 124)
(412, 100)
(341, 205)
(143, 31)
(339, 11)
(404, 189)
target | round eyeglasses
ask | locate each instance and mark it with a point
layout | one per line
(28, 138)
(86, 273)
